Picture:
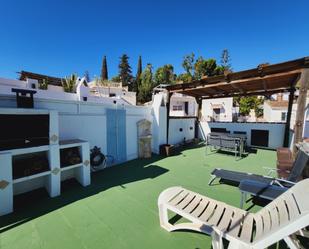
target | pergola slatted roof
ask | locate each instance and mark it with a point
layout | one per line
(24, 75)
(263, 80)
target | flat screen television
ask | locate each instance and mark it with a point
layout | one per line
(22, 131)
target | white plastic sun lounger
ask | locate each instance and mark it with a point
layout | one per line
(280, 219)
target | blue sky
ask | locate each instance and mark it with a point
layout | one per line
(61, 37)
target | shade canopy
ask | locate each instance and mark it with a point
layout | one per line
(266, 79)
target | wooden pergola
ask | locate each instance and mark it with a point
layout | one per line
(264, 80)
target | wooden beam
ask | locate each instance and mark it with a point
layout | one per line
(264, 85)
(301, 105)
(238, 88)
(288, 119)
(261, 93)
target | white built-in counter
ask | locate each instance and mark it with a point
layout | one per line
(50, 178)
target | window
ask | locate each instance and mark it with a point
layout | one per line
(112, 95)
(216, 111)
(283, 116)
(177, 107)
(186, 107)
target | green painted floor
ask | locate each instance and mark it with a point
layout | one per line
(119, 209)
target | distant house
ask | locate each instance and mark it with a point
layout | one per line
(183, 105)
(82, 91)
(113, 90)
(275, 111)
(220, 109)
(180, 105)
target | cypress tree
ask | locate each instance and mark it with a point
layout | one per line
(104, 73)
(137, 80)
(125, 71)
(139, 67)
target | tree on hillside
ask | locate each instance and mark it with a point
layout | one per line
(116, 79)
(188, 66)
(139, 67)
(203, 67)
(226, 60)
(137, 80)
(187, 63)
(125, 71)
(184, 78)
(104, 73)
(164, 75)
(248, 103)
(146, 85)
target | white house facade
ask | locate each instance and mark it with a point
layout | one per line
(182, 106)
(220, 109)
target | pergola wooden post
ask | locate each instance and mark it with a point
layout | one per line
(198, 116)
(301, 106)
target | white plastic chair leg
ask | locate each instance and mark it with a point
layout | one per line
(292, 243)
(163, 214)
(237, 245)
(217, 242)
(213, 177)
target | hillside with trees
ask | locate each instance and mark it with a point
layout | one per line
(194, 68)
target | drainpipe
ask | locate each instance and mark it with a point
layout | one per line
(168, 99)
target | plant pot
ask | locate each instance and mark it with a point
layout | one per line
(166, 149)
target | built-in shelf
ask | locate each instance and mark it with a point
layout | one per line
(27, 150)
(71, 167)
(50, 178)
(27, 178)
(64, 144)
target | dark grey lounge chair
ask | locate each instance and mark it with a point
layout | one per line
(261, 193)
(262, 189)
(221, 141)
(234, 178)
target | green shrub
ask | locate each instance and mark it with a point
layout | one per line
(43, 85)
(68, 83)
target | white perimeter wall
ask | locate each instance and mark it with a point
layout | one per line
(180, 129)
(57, 93)
(276, 130)
(87, 121)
